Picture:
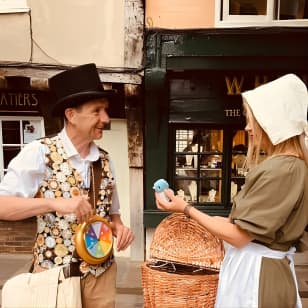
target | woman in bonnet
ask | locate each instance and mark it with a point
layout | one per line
(270, 213)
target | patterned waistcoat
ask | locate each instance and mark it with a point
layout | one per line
(55, 243)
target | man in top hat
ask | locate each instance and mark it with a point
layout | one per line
(67, 180)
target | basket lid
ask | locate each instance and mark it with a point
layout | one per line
(180, 239)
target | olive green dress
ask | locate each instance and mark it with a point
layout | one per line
(273, 208)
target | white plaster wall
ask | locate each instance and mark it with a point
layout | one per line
(74, 32)
(114, 141)
(15, 37)
(65, 32)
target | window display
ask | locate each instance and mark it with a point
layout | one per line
(238, 164)
(202, 160)
(199, 164)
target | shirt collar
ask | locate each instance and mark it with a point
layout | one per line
(71, 151)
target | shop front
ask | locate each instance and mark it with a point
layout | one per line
(194, 134)
(23, 114)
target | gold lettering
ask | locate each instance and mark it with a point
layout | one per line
(232, 113)
(27, 99)
(3, 100)
(15, 98)
(234, 87)
(35, 100)
(258, 81)
(20, 101)
(11, 96)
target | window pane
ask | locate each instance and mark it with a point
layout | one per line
(189, 161)
(187, 189)
(206, 190)
(198, 170)
(295, 9)
(238, 167)
(183, 139)
(210, 191)
(211, 161)
(247, 7)
(214, 140)
(31, 130)
(8, 154)
(11, 132)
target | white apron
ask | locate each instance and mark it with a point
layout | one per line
(238, 284)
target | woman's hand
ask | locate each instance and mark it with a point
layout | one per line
(176, 203)
(219, 226)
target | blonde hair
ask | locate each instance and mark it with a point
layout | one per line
(260, 142)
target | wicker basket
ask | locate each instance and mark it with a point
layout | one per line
(184, 265)
(171, 290)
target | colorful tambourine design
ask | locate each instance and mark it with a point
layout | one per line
(94, 240)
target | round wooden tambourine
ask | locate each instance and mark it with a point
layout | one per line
(94, 240)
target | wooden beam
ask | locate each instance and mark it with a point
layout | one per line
(136, 212)
(134, 125)
(45, 73)
(133, 33)
(133, 58)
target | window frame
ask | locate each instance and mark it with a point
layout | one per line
(22, 144)
(225, 20)
(225, 177)
(14, 6)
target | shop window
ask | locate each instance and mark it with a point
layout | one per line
(15, 132)
(262, 12)
(238, 163)
(198, 164)
(204, 165)
(183, 139)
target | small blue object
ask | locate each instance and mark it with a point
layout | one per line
(160, 185)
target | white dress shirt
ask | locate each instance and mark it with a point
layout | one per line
(27, 170)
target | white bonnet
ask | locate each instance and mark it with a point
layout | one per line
(280, 107)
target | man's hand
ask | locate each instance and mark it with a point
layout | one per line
(123, 234)
(79, 206)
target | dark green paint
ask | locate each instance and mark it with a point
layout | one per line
(275, 50)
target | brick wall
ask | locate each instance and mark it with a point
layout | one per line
(17, 236)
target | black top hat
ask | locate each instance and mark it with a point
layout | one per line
(77, 86)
